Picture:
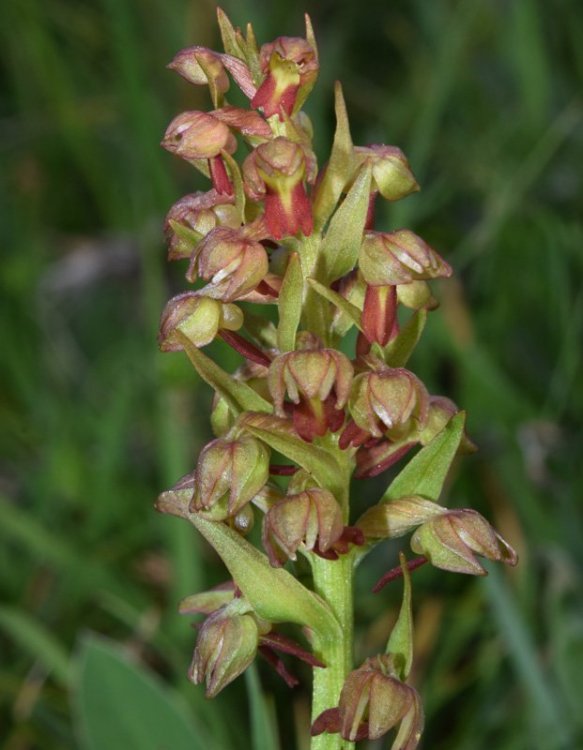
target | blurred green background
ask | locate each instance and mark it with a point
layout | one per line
(484, 96)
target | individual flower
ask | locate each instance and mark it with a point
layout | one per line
(373, 701)
(202, 66)
(391, 173)
(317, 382)
(198, 136)
(197, 317)
(225, 647)
(399, 258)
(233, 263)
(290, 65)
(275, 173)
(311, 518)
(379, 314)
(193, 216)
(229, 474)
(452, 540)
(389, 401)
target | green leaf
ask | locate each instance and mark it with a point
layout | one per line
(400, 642)
(237, 183)
(38, 642)
(350, 310)
(340, 165)
(398, 351)
(264, 735)
(290, 304)
(425, 474)
(121, 705)
(272, 592)
(341, 245)
(238, 395)
(279, 435)
(231, 43)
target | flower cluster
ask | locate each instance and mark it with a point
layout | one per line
(300, 416)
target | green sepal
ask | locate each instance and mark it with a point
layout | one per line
(346, 307)
(400, 643)
(397, 352)
(239, 396)
(310, 36)
(186, 233)
(237, 184)
(274, 594)
(290, 304)
(340, 166)
(279, 434)
(232, 42)
(341, 245)
(426, 473)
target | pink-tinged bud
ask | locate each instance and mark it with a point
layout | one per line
(201, 66)
(397, 518)
(391, 401)
(197, 317)
(318, 382)
(275, 172)
(225, 647)
(232, 263)
(207, 602)
(198, 135)
(229, 474)
(399, 258)
(391, 173)
(312, 519)
(372, 702)
(291, 69)
(193, 217)
(379, 314)
(453, 539)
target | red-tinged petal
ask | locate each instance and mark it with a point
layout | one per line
(219, 176)
(327, 721)
(279, 642)
(373, 461)
(241, 74)
(288, 212)
(245, 121)
(290, 680)
(352, 435)
(274, 96)
(245, 348)
(379, 314)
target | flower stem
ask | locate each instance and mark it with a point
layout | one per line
(333, 581)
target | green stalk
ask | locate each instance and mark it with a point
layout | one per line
(333, 581)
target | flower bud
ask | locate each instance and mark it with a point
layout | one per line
(229, 474)
(198, 135)
(225, 647)
(391, 173)
(233, 263)
(318, 382)
(372, 701)
(391, 401)
(291, 69)
(398, 517)
(197, 213)
(399, 258)
(198, 317)
(452, 539)
(275, 172)
(311, 518)
(202, 66)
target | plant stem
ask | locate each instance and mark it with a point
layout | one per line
(333, 581)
